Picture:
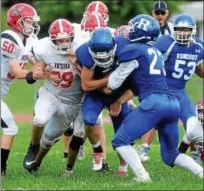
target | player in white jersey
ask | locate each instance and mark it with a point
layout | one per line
(15, 46)
(59, 101)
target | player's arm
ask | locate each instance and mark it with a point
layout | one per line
(115, 108)
(88, 81)
(16, 70)
(121, 73)
(199, 70)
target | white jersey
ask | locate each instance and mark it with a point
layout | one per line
(69, 89)
(13, 49)
(80, 36)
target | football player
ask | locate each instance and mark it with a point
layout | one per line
(98, 57)
(58, 102)
(15, 46)
(142, 65)
(183, 55)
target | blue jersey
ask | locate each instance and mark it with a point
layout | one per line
(180, 60)
(85, 58)
(149, 75)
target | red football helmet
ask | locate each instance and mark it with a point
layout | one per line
(23, 18)
(99, 8)
(122, 31)
(200, 111)
(91, 22)
(61, 33)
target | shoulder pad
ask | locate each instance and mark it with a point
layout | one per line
(163, 42)
(11, 44)
(121, 43)
(199, 42)
(39, 47)
(83, 56)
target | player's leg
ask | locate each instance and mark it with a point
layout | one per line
(117, 121)
(55, 128)
(10, 130)
(168, 137)
(46, 106)
(101, 129)
(135, 125)
(151, 110)
(76, 141)
(66, 138)
(194, 130)
(92, 107)
(146, 141)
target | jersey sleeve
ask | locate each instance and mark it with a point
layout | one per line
(84, 57)
(200, 50)
(117, 77)
(11, 46)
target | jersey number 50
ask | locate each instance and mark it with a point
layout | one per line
(179, 71)
(8, 47)
(67, 78)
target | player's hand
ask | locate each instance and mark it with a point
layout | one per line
(55, 79)
(115, 109)
(106, 90)
(37, 74)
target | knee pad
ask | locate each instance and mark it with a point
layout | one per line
(68, 132)
(76, 142)
(194, 130)
(12, 130)
(39, 121)
(99, 122)
(89, 120)
(186, 139)
(169, 157)
(46, 143)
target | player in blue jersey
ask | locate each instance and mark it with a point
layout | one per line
(98, 58)
(183, 56)
(142, 65)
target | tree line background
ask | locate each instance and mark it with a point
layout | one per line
(121, 11)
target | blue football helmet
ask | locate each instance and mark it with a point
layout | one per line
(102, 47)
(184, 28)
(144, 29)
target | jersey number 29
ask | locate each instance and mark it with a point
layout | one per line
(67, 78)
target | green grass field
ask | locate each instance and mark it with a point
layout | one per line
(21, 100)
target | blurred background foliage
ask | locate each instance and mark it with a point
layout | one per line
(121, 11)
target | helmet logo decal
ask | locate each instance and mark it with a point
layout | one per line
(143, 24)
(17, 12)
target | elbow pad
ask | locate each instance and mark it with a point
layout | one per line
(29, 78)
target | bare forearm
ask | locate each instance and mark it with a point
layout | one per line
(200, 72)
(94, 84)
(125, 97)
(20, 74)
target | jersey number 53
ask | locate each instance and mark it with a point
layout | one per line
(179, 71)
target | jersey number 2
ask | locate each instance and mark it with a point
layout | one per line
(67, 78)
(152, 69)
